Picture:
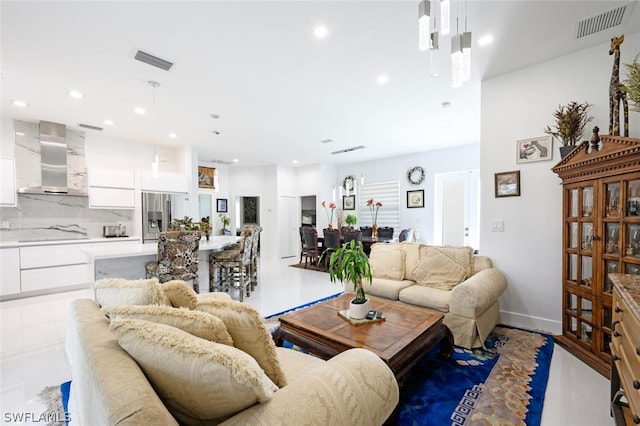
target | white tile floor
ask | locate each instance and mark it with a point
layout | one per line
(33, 330)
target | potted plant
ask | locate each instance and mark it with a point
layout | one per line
(226, 220)
(351, 220)
(571, 120)
(205, 226)
(350, 263)
(633, 84)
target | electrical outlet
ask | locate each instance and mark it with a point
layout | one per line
(497, 226)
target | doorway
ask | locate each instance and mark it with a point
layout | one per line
(457, 213)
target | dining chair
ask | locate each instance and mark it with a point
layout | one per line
(178, 253)
(313, 249)
(367, 231)
(405, 235)
(231, 268)
(351, 235)
(303, 246)
(332, 239)
(385, 232)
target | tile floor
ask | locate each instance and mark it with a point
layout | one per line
(33, 329)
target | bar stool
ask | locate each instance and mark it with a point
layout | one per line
(178, 253)
(230, 269)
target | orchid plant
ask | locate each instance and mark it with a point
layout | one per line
(330, 206)
(374, 206)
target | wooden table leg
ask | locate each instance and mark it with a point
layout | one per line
(446, 344)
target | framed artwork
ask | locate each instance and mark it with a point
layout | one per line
(508, 184)
(348, 202)
(205, 177)
(221, 205)
(534, 149)
(415, 199)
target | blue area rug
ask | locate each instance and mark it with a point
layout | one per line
(503, 385)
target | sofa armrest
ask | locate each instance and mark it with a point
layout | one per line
(353, 388)
(477, 293)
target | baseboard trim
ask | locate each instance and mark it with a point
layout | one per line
(528, 322)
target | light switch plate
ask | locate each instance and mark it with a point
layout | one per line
(497, 225)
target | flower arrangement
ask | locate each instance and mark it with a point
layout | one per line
(332, 207)
(571, 121)
(374, 206)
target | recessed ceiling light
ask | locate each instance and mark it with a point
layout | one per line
(139, 110)
(20, 103)
(235, 160)
(320, 31)
(382, 79)
(108, 122)
(485, 40)
(75, 94)
(295, 161)
(173, 135)
(19, 133)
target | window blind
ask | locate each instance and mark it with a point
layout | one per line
(388, 193)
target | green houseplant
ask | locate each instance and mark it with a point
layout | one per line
(226, 220)
(571, 120)
(350, 263)
(633, 84)
(351, 219)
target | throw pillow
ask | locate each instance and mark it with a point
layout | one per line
(118, 291)
(200, 324)
(200, 382)
(387, 261)
(444, 267)
(180, 294)
(249, 333)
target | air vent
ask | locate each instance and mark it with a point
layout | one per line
(225, 162)
(90, 127)
(342, 151)
(326, 141)
(153, 60)
(603, 21)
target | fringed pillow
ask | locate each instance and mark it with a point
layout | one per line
(119, 291)
(180, 294)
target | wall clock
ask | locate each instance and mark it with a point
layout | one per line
(415, 175)
(349, 183)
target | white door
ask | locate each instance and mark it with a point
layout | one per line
(288, 227)
(456, 209)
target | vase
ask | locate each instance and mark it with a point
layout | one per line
(565, 150)
(359, 310)
(374, 232)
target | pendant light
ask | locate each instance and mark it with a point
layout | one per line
(466, 48)
(424, 25)
(155, 165)
(445, 16)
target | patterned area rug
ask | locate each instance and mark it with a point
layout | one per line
(309, 266)
(503, 385)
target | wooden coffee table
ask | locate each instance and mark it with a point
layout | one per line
(407, 333)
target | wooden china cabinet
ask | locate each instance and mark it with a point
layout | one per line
(601, 235)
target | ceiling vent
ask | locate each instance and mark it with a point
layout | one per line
(342, 151)
(153, 60)
(603, 21)
(90, 127)
(225, 162)
(326, 141)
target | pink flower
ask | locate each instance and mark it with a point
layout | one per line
(332, 207)
(374, 206)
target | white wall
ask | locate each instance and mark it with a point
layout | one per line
(454, 159)
(518, 106)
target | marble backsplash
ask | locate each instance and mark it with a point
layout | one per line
(56, 217)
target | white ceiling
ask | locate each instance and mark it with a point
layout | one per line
(279, 91)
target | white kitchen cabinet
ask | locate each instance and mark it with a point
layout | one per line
(10, 267)
(111, 189)
(53, 255)
(163, 182)
(58, 276)
(50, 266)
(8, 197)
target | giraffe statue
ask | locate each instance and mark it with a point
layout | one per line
(617, 92)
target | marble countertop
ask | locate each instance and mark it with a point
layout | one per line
(629, 287)
(14, 244)
(215, 243)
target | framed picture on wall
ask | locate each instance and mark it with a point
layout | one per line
(348, 202)
(534, 149)
(221, 205)
(415, 199)
(507, 184)
(205, 177)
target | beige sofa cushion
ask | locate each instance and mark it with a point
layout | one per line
(411, 258)
(444, 267)
(249, 333)
(481, 263)
(427, 297)
(180, 294)
(387, 261)
(199, 381)
(197, 323)
(118, 291)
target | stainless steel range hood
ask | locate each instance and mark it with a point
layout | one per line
(53, 164)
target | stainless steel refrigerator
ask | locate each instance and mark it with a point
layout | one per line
(156, 214)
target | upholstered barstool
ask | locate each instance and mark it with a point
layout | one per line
(230, 269)
(255, 244)
(178, 253)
